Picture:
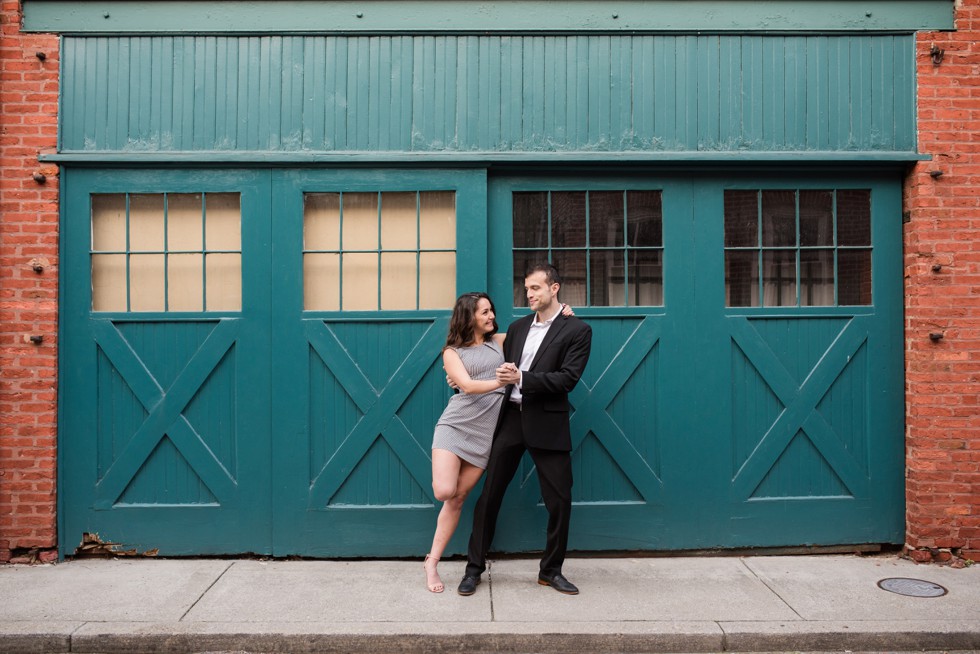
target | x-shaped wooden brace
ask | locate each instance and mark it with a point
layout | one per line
(590, 412)
(800, 402)
(165, 409)
(378, 409)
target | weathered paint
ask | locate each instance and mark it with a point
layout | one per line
(303, 16)
(266, 97)
(283, 431)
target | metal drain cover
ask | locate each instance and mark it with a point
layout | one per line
(912, 587)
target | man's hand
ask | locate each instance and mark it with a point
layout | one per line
(508, 374)
(452, 384)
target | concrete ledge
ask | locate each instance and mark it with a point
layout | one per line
(118, 638)
(36, 637)
(853, 636)
(404, 637)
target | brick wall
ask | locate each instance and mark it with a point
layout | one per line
(28, 299)
(942, 269)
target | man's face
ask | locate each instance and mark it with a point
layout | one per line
(540, 296)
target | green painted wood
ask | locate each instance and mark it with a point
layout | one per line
(162, 444)
(274, 430)
(812, 399)
(165, 409)
(487, 97)
(358, 393)
(697, 426)
(130, 16)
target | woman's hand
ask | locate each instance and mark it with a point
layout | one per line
(566, 310)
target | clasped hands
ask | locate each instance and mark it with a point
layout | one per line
(508, 374)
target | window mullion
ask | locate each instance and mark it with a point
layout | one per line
(204, 251)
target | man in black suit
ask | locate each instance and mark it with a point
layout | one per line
(545, 354)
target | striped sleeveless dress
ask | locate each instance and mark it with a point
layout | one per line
(466, 425)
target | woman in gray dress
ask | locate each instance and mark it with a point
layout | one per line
(461, 442)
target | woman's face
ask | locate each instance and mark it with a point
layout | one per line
(483, 317)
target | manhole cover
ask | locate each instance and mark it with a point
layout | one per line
(912, 587)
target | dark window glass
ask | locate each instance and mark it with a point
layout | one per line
(779, 278)
(606, 278)
(816, 218)
(606, 219)
(854, 271)
(814, 248)
(741, 219)
(568, 220)
(854, 217)
(644, 219)
(609, 255)
(645, 285)
(742, 278)
(816, 278)
(778, 219)
(571, 266)
(531, 220)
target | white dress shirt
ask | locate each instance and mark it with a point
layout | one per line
(535, 335)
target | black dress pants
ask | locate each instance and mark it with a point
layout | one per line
(554, 468)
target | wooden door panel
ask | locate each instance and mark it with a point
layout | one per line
(798, 393)
(357, 393)
(375, 426)
(164, 432)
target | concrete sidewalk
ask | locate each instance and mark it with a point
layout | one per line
(679, 604)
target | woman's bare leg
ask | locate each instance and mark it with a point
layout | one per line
(452, 481)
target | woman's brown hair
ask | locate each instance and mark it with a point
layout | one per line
(461, 323)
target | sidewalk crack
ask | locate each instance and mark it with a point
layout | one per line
(205, 592)
(771, 589)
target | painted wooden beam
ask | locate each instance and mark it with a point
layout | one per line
(479, 159)
(508, 16)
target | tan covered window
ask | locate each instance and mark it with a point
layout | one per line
(387, 250)
(166, 252)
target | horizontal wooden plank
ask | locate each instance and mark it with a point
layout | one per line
(445, 16)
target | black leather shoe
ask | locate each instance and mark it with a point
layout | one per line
(468, 585)
(558, 582)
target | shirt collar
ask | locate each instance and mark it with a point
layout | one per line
(547, 322)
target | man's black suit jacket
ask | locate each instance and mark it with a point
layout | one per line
(556, 368)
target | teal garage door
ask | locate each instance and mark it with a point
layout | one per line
(745, 385)
(165, 424)
(250, 359)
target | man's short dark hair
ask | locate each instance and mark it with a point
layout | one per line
(550, 272)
